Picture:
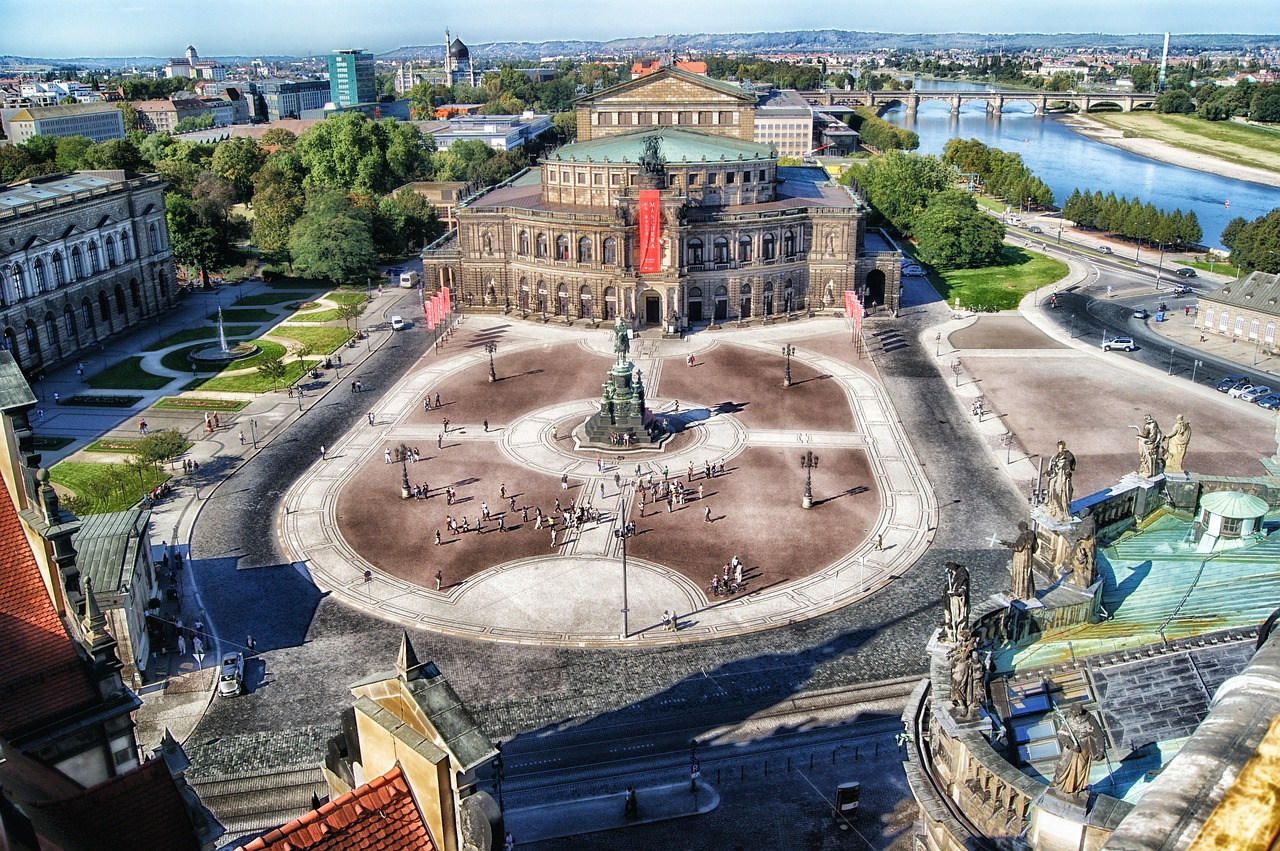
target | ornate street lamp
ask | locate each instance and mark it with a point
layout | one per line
(622, 533)
(787, 351)
(491, 348)
(808, 461)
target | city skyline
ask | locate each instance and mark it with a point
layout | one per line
(98, 28)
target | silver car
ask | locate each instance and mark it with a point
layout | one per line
(1256, 392)
(231, 675)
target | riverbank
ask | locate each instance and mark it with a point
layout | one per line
(1164, 152)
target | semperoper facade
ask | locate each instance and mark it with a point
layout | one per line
(665, 212)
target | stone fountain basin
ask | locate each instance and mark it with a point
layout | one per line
(215, 355)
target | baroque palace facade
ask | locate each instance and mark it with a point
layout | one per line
(665, 212)
(82, 257)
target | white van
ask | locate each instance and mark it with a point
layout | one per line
(397, 323)
(408, 280)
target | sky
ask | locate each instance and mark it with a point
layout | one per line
(106, 28)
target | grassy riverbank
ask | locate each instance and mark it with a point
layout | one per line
(1241, 144)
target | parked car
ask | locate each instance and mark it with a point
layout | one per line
(1185, 272)
(1140, 313)
(231, 677)
(1105, 249)
(1182, 289)
(1231, 381)
(1255, 393)
(913, 271)
(397, 323)
(1122, 343)
(1271, 401)
(1035, 229)
(1240, 389)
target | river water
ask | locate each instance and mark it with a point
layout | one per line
(1067, 160)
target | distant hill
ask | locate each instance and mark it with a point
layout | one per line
(94, 63)
(845, 41)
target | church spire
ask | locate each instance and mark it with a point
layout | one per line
(407, 663)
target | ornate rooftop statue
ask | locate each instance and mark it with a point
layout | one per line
(1149, 439)
(965, 681)
(651, 161)
(1024, 547)
(1176, 445)
(1061, 468)
(955, 613)
(1081, 742)
(1084, 553)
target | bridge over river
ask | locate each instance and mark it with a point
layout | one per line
(995, 100)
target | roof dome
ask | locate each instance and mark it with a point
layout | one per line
(458, 50)
(1234, 505)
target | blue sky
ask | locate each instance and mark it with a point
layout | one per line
(64, 28)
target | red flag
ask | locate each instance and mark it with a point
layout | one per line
(854, 308)
(432, 319)
(447, 300)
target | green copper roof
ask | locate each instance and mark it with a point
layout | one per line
(677, 146)
(1234, 505)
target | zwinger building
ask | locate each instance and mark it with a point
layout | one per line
(665, 213)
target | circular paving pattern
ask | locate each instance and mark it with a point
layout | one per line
(510, 461)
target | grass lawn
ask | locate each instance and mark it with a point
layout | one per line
(1237, 143)
(177, 359)
(288, 282)
(249, 382)
(104, 401)
(190, 403)
(266, 298)
(1001, 287)
(101, 488)
(346, 297)
(190, 335)
(324, 340)
(127, 374)
(245, 314)
(317, 317)
(122, 445)
(1221, 267)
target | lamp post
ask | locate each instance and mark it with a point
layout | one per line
(808, 461)
(1171, 351)
(626, 531)
(787, 351)
(253, 430)
(956, 368)
(937, 345)
(491, 347)
(1196, 364)
(1007, 440)
(405, 490)
(1160, 266)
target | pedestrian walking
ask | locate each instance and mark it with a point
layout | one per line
(699, 491)
(502, 522)
(706, 514)
(439, 574)
(359, 386)
(371, 418)
(689, 477)
(553, 539)
(322, 454)
(690, 360)
(438, 541)
(879, 542)
(524, 512)
(55, 399)
(437, 400)
(446, 425)
(242, 438)
(484, 510)
(564, 484)
(502, 491)
(80, 370)
(513, 502)
(486, 426)
(602, 490)
(426, 404)
(182, 645)
(386, 455)
(250, 644)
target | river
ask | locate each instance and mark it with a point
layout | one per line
(1067, 160)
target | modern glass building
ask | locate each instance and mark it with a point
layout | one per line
(351, 79)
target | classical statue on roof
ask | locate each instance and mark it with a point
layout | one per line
(651, 160)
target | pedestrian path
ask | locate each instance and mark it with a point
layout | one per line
(560, 598)
(606, 812)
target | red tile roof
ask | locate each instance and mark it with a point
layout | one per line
(140, 809)
(41, 676)
(381, 815)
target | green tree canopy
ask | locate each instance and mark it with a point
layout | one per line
(900, 185)
(195, 243)
(953, 233)
(238, 160)
(352, 153)
(1255, 245)
(333, 239)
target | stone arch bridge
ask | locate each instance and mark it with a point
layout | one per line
(995, 101)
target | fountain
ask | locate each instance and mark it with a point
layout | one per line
(222, 353)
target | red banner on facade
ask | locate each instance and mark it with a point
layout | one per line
(650, 232)
(428, 308)
(447, 301)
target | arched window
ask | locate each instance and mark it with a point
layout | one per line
(153, 236)
(1223, 317)
(610, 303)
(744, 300)
(788, 244)
(1271, 332)
(524, 294)
(542, 246)
(104, 306)
(93, 258)
(4, 290)
(584, 250)
(163, 283)
(766, 248)
(562, 247)
(19, 283)
(1254, 327)
(610, 252)
(86, 313)
(51, 330)
(134, 293)
(744, 249)
(69, 322)
(110, 244)
(1208, 318)
(585, 310)
(720, 250)
(59, 270)
(42, 282)
(788, 298)
(562, 300)
(77, 264)
(768, 299)
(522, 243)
(9, 342)
(120, 305)
(695, 252)
(126, 245)
(33, 339)
(1239, 324)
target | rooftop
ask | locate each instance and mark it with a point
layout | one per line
(1256, 291)
(107, 545)
(58, 186)
(676, 146)
(62, 110)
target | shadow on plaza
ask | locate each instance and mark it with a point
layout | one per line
(710, 699)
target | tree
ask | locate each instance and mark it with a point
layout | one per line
(566, 125)
(1143, 77)
(129, 114)
(194, 122)
(113, 154)
(194, 242)
(1177, 101)
(332, 239)
(13, 159)
(348, 310)
(279, 137)
(1255, 245)
(277, 206)
(350, 152)
(160, 447)
(70, 152)
(273, 370)
(1266, 104)
(899, 185)
(953, 233)
(238, 160)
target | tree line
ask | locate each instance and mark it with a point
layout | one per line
(880, 134)
(1131, 218)
(1255, 245)
(1001, 173)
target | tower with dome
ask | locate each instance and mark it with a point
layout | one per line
(457, 62)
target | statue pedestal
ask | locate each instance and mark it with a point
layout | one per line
(1059, 821)
(1041, 518)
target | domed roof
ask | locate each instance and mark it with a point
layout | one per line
(1234, 505)
(458, 50)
